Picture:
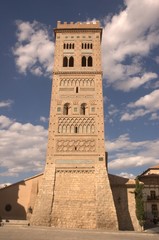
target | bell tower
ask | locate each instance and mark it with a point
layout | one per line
(75, 190)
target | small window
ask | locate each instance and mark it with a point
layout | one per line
(92, 109)
(154, 210)
(153, 195)
(58, 109)
(76, 89)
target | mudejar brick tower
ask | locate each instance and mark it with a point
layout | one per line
(75, 190)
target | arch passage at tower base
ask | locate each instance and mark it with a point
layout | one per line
(75, 191)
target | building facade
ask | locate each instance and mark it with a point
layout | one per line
(75, 191)
(150, 178)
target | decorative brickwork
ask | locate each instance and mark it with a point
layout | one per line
(74, 145)
(76, 82)
(83, 124)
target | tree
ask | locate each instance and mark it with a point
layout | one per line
(139, 203)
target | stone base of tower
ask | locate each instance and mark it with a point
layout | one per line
(106, 211)
(43, 204)
(76, 198)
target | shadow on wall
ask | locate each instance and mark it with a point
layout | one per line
(120, 196)
(9, 206)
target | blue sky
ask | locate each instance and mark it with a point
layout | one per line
(130, 56)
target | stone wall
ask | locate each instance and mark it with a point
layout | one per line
(20, 197)
(74, 199)
(124, 199)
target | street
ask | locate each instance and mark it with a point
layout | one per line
(46, 233)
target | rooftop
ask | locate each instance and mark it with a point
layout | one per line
(92, 24)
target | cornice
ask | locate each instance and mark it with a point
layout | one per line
(59, 30)
(77, 30)
(76, 72)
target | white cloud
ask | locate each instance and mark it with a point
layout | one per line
(22, 147)
(154, 116)
(34, 49)
(112, 112)
(128, 38)
(149, 101)
(3, 185)
(130, 162)
(127, 175)
(6, 103)
(43, 119)
(136, 82)
(5, 122)
(144, 105)
(157, 59)
(125, 153)
(132, 116)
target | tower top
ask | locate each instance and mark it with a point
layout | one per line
(91, 24)
(80, 26)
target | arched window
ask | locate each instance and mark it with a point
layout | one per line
(72, 129)
(59, 129)
(76, 89)
(70, 46)
(76, 129)
(68, 129)
(83, 61)
(91, 45)
(64, 129)
(66, 108)
(84, 128)
(92, 128)
(85, 45)
(71, 62)
(88, 129)
(82, 45)
(67, 46)
(65, 62)
(64, 46)
(90, 61)
(73, 45)
(83, 109)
